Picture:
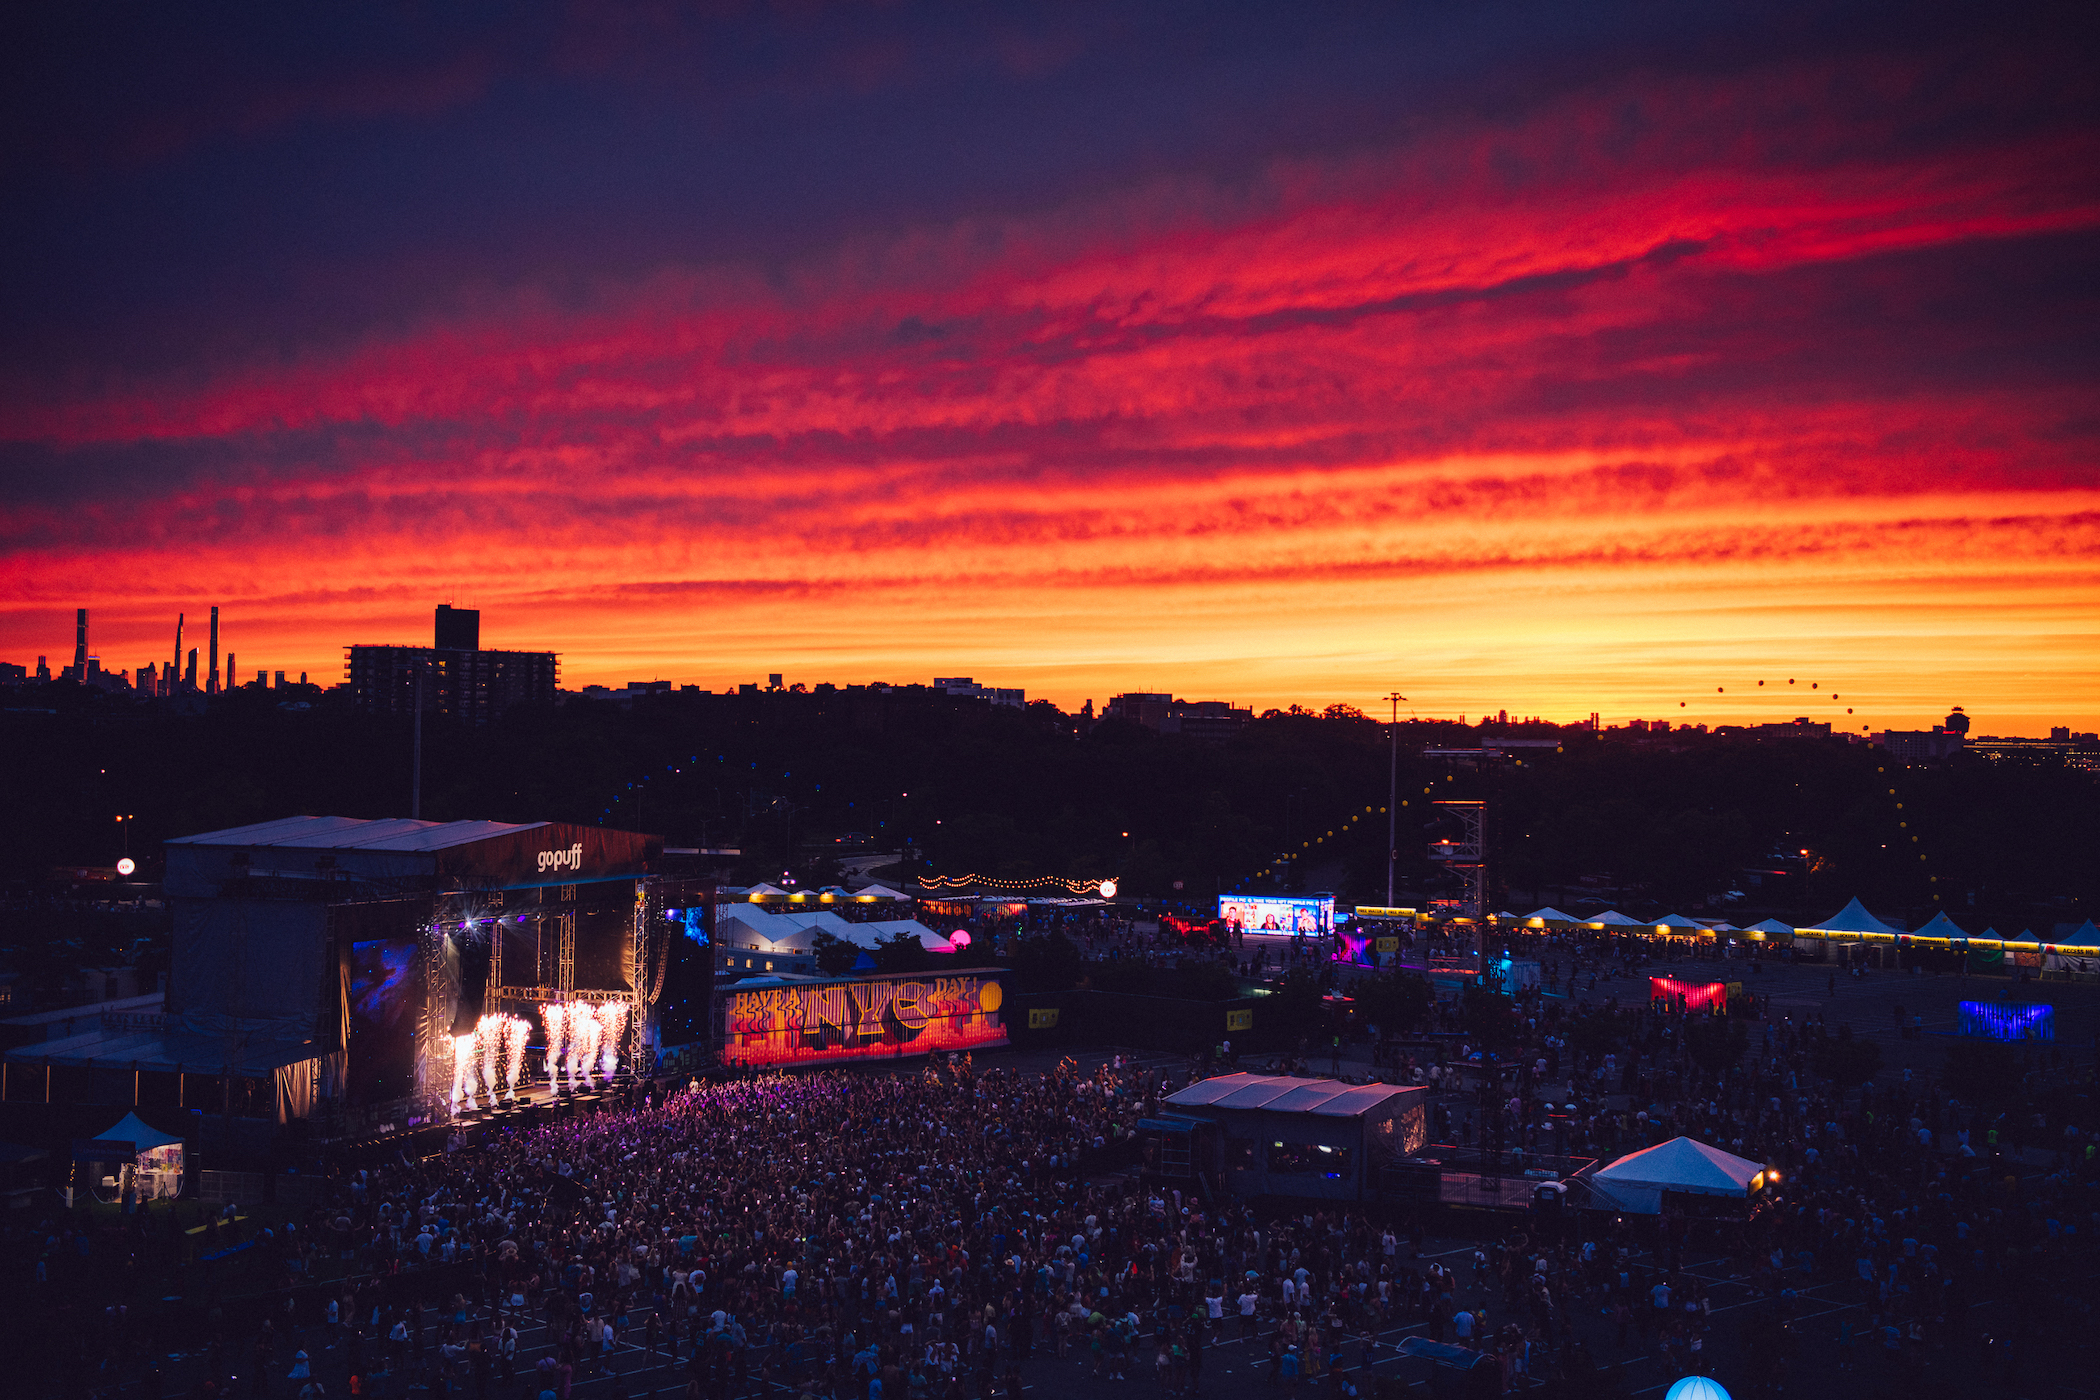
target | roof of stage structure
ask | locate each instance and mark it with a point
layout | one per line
(355, 834)
(402, 853)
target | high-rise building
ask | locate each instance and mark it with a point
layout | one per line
(458, 629)
(280, 680)
(469, 682)
(229, 671)
(43, 668)
(189, 679)
(175, 666)
(211, 685)
(80, 656)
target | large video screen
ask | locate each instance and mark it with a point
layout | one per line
(386, 997)
(823, 1021)
(1278, 913)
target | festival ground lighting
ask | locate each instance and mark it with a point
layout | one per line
(2008, 1020)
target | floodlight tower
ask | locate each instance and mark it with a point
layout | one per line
(1392, 801)
(1468, 855)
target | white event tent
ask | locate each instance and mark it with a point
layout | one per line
(1637, 1181)
(1853, 918)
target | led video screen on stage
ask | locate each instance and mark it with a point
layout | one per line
(386, 998)
(1278, 913)
(827, 1021)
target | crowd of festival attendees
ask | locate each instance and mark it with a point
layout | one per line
(938, 1233)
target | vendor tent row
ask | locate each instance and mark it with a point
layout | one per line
(1852, 923)
(763, 938)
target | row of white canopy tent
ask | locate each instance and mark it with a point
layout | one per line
(1855, 919)
(763, 892)
(1668, 924)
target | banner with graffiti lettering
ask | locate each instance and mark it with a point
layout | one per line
(905, 1015)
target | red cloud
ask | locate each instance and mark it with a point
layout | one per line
(1724, 344)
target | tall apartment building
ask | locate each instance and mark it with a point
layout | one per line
(454, 677)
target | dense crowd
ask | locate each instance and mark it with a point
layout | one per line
(920, 1235)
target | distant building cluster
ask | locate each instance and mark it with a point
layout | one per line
(179, 677)
(1951, 737)
(457, 676)
(1197, 719)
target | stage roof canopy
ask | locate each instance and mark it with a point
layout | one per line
(1327, 1098)
(354, 834)
(398, 855)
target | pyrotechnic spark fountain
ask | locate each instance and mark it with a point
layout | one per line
(612, 1019)
(585, 1033)
(462, 1072)
(555, 1016)
(516, 1031)
(488, 1038)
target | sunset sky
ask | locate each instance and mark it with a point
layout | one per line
(1549, 358)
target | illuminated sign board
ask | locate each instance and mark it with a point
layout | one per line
(819, 1022)
(1272, 913)
(1240, 1020)
(1042, 1018)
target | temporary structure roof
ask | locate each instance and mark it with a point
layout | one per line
(354, 833)
(795, 930)
(254, 1051)
(1722, 927)
(1769, 926)
(879, 892)
(1326, 1098)
(2085, 935)
(399, 854)
(1682, 1164)
(1680, 921)
(1612, 918)
(1550, 915)
(761, 890)
(1941, 927)
(142, 1136)
(1853, 918)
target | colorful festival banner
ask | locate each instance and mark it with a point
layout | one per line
(856, 1020)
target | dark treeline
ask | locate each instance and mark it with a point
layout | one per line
(1647, 821)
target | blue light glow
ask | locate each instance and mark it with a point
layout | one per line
(2008, 1020)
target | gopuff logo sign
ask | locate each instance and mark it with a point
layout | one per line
(567, 858)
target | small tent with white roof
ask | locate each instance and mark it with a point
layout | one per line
(1637, 1181)
(1678, 923)
(2086, 935)
(1853, 918)
(1612, 918)
(154, 1161)
(1539, 918)
(1769, 928)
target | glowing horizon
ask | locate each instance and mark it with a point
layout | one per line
(1616, 397)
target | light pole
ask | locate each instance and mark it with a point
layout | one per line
(1392, 801)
